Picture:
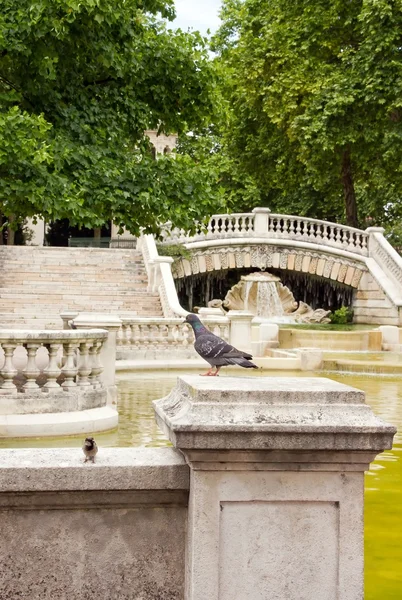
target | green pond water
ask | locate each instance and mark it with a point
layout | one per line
(383, 520)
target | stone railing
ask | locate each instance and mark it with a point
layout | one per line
(262, 223)
(160, 278)
(56, 382)
(50, 360)
(385, 255)
(146, 337)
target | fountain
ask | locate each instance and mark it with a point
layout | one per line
(264, 295)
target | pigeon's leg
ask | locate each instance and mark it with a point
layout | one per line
(216, 374)
(208, 373)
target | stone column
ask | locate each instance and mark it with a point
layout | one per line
(112, 324)
(371, 233)
(277, 479)
(240, 329)
(261, 220)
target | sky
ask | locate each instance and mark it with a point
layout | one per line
(197, 14)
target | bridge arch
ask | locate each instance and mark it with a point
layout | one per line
(362, 260)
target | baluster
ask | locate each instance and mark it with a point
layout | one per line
(53, 370)
(153, 335)
(144, 329)
(8, 372)
(298, 227)
(171, 337)
(320, 231)
(236, 227)
(96, 365)
(135, 336)
(337, 235)
(186, 335)
(345, 236)
(84, 366)
(162, 335)
(331, 233)
(70, 368)
(363, 241)
(31, 371)
(210, 227)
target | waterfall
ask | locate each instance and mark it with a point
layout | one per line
(268, 301)
(249, 285)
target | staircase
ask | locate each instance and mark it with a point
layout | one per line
(36, 284)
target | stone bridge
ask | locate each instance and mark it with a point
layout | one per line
(363, 260)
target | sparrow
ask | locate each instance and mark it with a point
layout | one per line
(90, 449)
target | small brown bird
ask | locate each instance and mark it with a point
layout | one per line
(90, 449)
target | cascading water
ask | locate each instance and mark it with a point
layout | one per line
(268, 301)
(249, 285)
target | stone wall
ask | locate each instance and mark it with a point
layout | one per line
(111, 530)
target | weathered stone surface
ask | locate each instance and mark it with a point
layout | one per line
(272, 413)
(112, 530)
(276, 502)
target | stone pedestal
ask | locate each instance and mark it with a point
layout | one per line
(276, 492)
(108, 354)
(240, 329)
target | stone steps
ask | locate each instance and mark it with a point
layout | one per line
(36, 284)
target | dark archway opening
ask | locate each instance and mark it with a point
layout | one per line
(197, 290)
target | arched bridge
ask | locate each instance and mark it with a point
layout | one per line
(363, 260)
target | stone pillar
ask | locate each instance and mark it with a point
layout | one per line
(261, 220)
(112, 324)
(277, 479)
(240, 329)
(67, 316)
(371, 233)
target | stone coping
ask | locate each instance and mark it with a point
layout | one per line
(38, 335)
(49, 469)
(271, 413)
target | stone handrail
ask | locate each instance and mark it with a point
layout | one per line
(160, 278)
(142, 333)
(262, 223)
(52, 361)
(385, 255)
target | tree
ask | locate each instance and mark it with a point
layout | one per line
(80, 82)
(314, 90)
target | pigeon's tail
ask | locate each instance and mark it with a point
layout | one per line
(242, 362)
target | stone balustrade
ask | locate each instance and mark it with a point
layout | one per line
(53, 382)
(141, 337)
(262, 223)
(55, 360)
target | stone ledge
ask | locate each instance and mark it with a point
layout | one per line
(51, 470)
(63, 423)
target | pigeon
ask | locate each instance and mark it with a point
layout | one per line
(215, 350)
(90, 449)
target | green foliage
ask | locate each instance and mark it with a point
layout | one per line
(314, 104)
(80, 82)
(342, 316)
(174, 250)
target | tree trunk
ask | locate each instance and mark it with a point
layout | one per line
(97, 233)
(349, 190)
(11, 232)
(1, 230)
